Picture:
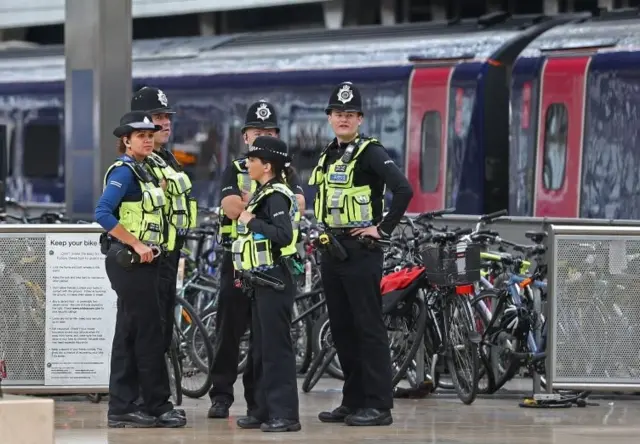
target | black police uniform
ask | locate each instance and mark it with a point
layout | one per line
(274, 361)
(355, 311)
(137, 356)
(234, 307)
(154, 101)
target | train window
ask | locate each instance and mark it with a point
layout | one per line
(41, 150)
(555, 146)
(430, 151)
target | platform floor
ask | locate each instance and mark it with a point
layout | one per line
(439, 419)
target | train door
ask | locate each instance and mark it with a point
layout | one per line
(427, 139)
(560, 136)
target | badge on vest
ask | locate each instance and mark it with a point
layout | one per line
(338, 177)
(340, 168)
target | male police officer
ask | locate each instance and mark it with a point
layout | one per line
(234, 307)
(181, 208)
(351, 176)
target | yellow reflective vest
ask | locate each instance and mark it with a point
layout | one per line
(181, 210)
(338, 203)
(252, 251)
(144, 218)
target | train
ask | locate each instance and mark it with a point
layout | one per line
(538, 114)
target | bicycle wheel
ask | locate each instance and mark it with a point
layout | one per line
(301, 333)
(175, 375)
(406, 339)
(321, 336)
(195, 352)
(483, 306)
(462, 348)
(318, 367)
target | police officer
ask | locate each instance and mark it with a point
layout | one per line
(351, 176)
(234, 307)
(180, 209)
(131, 212)
(267, 236)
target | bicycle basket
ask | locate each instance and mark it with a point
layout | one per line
(452, 265)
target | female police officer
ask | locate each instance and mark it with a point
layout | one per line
(131, 211)
(351, 177)
(267, 234)
(234, 307)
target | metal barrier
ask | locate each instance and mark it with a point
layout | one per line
(57, 309)
(594, 308)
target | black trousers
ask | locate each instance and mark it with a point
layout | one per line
(354, 302)
(274, 359)
(232, 320)
(168, 279)
(137, 354)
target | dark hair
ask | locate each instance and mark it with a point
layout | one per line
(121, 147)
(281, 172)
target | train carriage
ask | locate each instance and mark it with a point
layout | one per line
(575, 99)
(427, 89)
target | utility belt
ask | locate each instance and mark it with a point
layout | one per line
(126, 256)
(337, 242)
(248, 280)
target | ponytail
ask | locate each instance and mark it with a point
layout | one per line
(284, 174)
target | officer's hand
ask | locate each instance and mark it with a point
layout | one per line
(245, 217)
(163, 185)
(371, 231)
(145, 253)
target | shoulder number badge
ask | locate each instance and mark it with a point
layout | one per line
(345, 94)
(263, 112)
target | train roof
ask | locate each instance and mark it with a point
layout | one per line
(608, 32)
(367, 46)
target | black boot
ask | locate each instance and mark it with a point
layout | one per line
(219, 409)
(171, 419)
(248, 422)
(336, 415)
(370, 417)
(281, 425)
(134, 420)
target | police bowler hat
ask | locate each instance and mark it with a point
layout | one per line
(269, 149)
(135, 121)
(261, 114)
(151, 100)
(346, 98)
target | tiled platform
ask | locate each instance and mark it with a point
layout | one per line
(440, 419)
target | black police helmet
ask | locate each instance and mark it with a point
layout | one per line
(261, 115)
(135, 121)
(269, 149)
(345, 97)
(151, 100)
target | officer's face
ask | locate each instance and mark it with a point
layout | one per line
(252, 133)
(256, 168)
(345, 124)
(141, 143)
(164, 120)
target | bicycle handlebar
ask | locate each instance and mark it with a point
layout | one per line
(434, 214)
(488, 218)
